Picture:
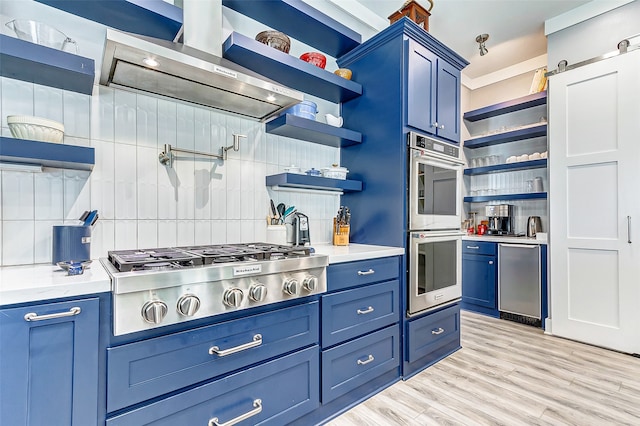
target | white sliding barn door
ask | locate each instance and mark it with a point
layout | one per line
(594, 187)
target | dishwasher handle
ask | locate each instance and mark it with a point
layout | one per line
(528, 246)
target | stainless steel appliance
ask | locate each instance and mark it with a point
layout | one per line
(500, 219)
(534, 225)
(299, 230)
(519, 281)
(157, 287)
(435, 184)
(435, 239)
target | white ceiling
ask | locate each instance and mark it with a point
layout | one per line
(515, 28)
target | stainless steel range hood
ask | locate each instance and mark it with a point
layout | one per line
(190, 75)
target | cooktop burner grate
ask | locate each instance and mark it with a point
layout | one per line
(128, 260)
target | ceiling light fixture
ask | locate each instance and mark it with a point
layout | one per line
(480, 40)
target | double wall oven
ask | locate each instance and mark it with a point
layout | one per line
(434, 236)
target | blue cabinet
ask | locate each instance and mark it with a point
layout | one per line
(433, 93)
(143, 370)
(480, 277)
(273, 393)
(49, 364)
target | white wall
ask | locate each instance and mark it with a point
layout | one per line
(140, 202)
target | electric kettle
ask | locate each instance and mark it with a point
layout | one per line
(534, 225)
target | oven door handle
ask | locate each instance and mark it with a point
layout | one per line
(257, 341)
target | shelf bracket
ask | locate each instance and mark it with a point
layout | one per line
(167, 158)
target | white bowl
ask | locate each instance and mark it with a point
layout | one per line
(334, 172)
(534, 156)
(523, 157)
(35, 128)
(544, 155)
(512, 159)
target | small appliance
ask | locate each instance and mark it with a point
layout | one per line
(299, 235)
(534, 225)
(500, 218)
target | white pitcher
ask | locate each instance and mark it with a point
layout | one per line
(333, 120)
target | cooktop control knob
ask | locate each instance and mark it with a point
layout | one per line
(258, 292)
(232, 297)
(154, 311)
(310, 283)
(290, 286)
(188, 305)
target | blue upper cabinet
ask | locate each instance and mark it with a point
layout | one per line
(153, 18)
(33, 63)
(433, 93)
(300, 21)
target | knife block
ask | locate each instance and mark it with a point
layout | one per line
(340, 234)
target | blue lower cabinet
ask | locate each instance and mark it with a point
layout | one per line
(143, 370)
(351, 313)
(274, 393)
(480, 277)
(49, 364)
(350, 365)
(431, 338)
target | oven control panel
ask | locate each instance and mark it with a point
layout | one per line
(441, 149)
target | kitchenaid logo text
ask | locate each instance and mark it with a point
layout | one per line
(247, 270)
(225, 71)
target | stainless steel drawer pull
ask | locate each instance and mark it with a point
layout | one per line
(257, 341)
(257, 404)
(369, 272)
(440, 330)
(366, 311)
(474, 247)
(32, 316)
(369, 359)
(629, 229)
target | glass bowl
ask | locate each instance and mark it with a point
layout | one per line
(42, 34)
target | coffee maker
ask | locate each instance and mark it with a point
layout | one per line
(500, 218)
(298, 230)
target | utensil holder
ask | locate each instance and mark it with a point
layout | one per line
(277, 234)
(340, 234)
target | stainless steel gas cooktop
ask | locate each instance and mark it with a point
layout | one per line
(162, 286)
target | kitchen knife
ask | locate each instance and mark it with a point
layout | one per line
(90, 218)
(273, 208)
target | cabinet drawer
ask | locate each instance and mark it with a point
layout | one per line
(344, 275)
(429, 333)
(354, 312)
(479, 247)
(353, 364)
(143, 370)
(277, 392)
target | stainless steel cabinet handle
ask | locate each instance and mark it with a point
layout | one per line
(32, 316)
(474, 247)
(257, 404)
(440, 330)
(366, 311)
(257, 341)
(491, 262)
(435, 124)
(442, 126)
(369, 359)
(629, 229)
(369, 272)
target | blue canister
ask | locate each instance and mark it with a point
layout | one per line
(71, 243)
(305, 109)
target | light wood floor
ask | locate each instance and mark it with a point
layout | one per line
(511, 374)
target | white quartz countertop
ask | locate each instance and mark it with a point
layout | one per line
(30, 283)
(498, 239)
(352, 252)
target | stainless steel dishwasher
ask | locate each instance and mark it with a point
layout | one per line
(519, 280)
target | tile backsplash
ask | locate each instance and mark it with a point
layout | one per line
(142, 203)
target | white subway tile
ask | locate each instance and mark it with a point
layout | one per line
(218, 203)
(247, 205)
(17, 98)
(167, 193)
(234, 175)
(167, 233)
(247, 231)
(202, 192)
(18, 202)
(186, 189)
(202, 232)
(218, 231)
(234, 205)
(77, 114)
(260, 231)
(185, 126)
(125, 181)
(147, 234)
(49, 190)
(234, 231)
(103, 114)
(218, 130)
(126, 234)
(47, 103)
(147, 183)
(271, 149)
(186, 232)
(17, 242)
(77, 193)
(167, 123)
(43, 236)
(147, 121)
(70, 140)
(103, 238)
(125, 117)
(202, 130)
(103, 180)
(258, 134)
